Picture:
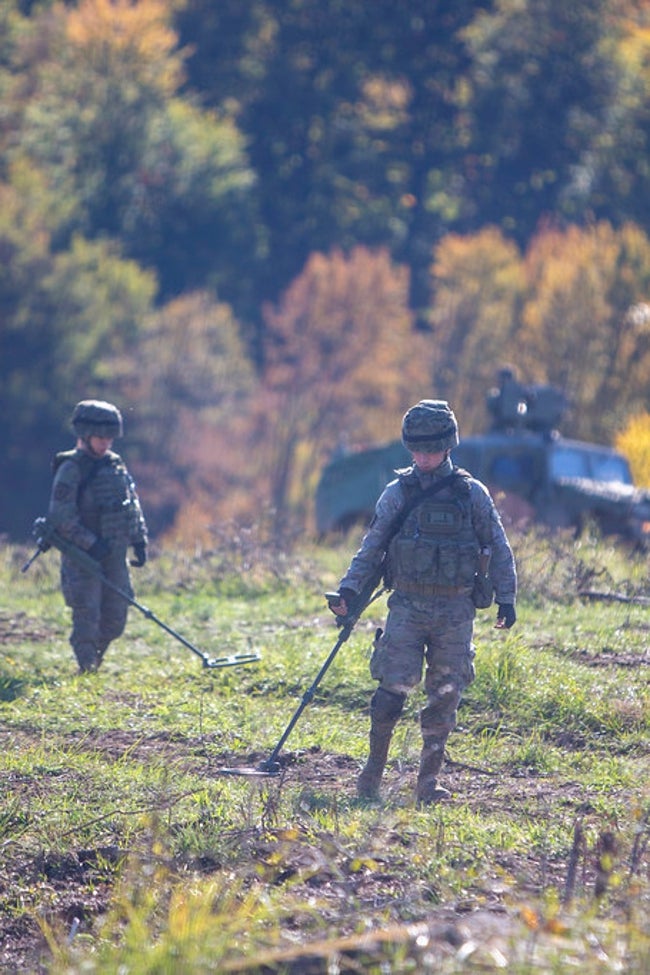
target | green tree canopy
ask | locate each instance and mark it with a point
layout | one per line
(541, 83)
(102, 117)
(63, 316)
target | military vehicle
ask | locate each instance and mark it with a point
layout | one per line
(533, 473)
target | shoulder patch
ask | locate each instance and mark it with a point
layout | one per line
(62, 492)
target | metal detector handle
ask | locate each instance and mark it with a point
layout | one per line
(30, 561)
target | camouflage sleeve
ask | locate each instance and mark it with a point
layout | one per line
(138, 525)
(369, 555)
(490, 531)
(63, 510)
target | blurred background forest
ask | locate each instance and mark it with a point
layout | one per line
(263, 228)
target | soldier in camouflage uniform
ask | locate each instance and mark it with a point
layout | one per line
(95, 506)
(436, 563)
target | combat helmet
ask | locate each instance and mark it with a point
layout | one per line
(95, 418)
(430, 427)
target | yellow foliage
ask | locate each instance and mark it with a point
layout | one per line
(583, 325)
(478, 283)
(634, 442)
(135, 32)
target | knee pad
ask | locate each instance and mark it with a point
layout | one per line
(386, 705)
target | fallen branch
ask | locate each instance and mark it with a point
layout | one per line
(614, 597)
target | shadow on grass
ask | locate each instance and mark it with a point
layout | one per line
(12, 687)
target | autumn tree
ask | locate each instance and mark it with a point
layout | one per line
(98, 85)
(478, 287)
(584, 327)
(189, 381)
(342, 365)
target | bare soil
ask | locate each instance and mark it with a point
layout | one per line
(77, 889)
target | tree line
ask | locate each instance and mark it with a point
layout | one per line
(263, 229)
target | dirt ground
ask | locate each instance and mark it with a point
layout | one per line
(76, 888)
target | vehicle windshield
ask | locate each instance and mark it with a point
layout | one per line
(568, 461)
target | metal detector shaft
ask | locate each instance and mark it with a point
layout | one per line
(307, 697)
(151, 616)
(270, 765)
(51, 537)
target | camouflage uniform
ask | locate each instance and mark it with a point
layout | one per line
(431, 609)
(94, 501)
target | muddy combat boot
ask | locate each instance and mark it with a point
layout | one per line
(428, 791)
(385, 709)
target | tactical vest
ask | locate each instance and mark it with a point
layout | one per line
(436, 550)
(111, 509)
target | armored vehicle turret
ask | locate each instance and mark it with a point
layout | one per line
(533, 473)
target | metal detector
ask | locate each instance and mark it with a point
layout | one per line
(47, 536)
(271, 767)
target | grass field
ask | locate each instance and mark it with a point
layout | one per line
(125, 849)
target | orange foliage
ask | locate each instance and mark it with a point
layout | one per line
(574, 312)
(342, 365)
(136, 32)
(192, 379)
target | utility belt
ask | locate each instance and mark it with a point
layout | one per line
(432, 589)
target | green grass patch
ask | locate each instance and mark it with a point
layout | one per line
(125, 848)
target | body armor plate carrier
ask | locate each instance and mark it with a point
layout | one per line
(436, 550)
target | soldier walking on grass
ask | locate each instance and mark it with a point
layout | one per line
(94, 505)
(448, 556)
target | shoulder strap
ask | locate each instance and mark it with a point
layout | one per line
(88, 467)
(61, 458)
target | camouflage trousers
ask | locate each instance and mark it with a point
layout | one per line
(98, 614)
(435, 633)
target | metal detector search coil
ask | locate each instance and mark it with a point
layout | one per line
(233, 660)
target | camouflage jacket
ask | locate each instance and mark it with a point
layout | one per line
(485, 518)
(95, 498)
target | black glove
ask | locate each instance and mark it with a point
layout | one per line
(40, 531)
(99, 549)
(350, 597)
(140, 549)
(506, 615)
